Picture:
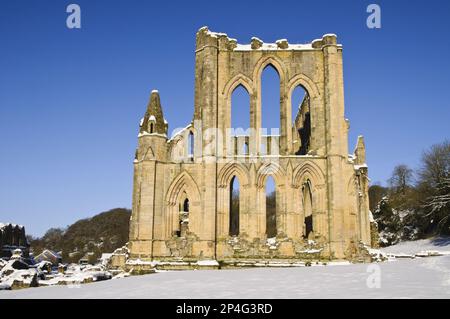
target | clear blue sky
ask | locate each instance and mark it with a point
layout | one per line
(71, 100)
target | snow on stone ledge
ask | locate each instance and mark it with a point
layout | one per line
(141, 262)
(310, 251)
(207, 263)
(151, 134)
(274, 47)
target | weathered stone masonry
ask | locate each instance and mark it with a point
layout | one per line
(181, 196)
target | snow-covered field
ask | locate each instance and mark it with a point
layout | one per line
(427, 277)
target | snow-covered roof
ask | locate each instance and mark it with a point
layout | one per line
(180, 131)
(48, 252)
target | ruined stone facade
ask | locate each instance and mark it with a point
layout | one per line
(181, 195)
(13, 237)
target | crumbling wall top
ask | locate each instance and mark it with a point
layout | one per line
(206, 37)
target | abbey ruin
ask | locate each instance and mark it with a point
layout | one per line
(182, 206)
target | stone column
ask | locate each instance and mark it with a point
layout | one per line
(206, 109)
(141, 234)
(335, 136)
(285, 120)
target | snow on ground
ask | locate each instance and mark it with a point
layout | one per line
(441, 244)
(404, 278)
(427, 277)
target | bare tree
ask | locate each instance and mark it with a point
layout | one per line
(435, 183)
(435, 165)
(401, 179)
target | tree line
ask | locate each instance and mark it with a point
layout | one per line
(88, 237)
(416, 202)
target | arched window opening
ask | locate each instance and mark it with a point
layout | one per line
(240, 111)
(183, 221)
(307, 208)
(301, 128)
(151, 128)
(270, 101)
(191, 144)
(271, 208)
(186, 205)
(234, 206)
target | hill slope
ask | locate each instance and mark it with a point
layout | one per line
(102, 233)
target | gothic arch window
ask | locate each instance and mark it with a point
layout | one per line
(301, 115)
(151, 128)
(240, 110)
(270, 101)
(271, 208)
(191, 144)
(234, 206)
(307, 208)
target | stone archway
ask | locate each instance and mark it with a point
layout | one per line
(225, 176)
(278, 174)
(183, 187)
(309, 180)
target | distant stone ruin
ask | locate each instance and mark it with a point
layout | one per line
(13, 237)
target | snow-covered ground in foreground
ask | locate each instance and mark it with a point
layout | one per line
(427, 277)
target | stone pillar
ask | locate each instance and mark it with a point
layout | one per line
(335, 136)
(363, 190)
(285, 120)
(206, 91)
(206, 109)
(141, 233)
(255, 123)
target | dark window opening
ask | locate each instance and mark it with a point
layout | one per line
(183, 219)
(305, 135)
(307, 208)
(271, 208)
(234, 206)
(308, 225)
(186, 205)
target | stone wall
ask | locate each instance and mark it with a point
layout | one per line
(181, 198)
